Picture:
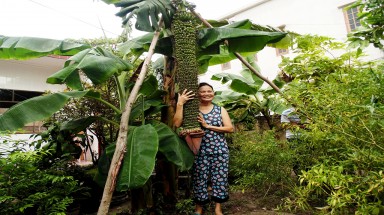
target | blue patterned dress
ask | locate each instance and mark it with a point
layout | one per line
(211, 163)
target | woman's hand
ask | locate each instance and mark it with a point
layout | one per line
(227, 126)
(203, 123)
(185, 96)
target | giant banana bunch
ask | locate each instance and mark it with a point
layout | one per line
(184, 52)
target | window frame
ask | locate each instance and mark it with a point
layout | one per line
(281, 52)
(350, 12)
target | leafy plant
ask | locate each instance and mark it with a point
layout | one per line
(60, 143)
(185, 206)
(343, 98)
(97, 65)
(28, 189)
(251, 166)
(9, 144)
(371, 18)
(246, 98)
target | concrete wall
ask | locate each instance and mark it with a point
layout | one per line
(30, 75)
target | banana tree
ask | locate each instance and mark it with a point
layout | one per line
(98, 66)
(215, 45)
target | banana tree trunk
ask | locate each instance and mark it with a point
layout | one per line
(244, 61)
(142, 198)
(122, 138)
(166, 172)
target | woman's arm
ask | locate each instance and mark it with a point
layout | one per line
(182, 99)
(227, 124)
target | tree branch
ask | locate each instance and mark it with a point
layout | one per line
(239, 56)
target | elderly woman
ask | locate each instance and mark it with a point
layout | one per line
(211, 161)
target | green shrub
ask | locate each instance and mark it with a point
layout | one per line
(185, 206)
(26, 189)
(344, 100)
(259, 161)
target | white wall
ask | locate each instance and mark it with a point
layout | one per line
(301, 16)
(321, 17)
(29, 75)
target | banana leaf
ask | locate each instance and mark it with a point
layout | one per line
(210, 39)
(222, 96)
(245, 83)
(149, 86)
(211, 49)
(79, 124)
(139, 45)
(169, 144)
(38, 108)
(96, 63)
(103, 165)
(22, 48)
(247, 96)
(247, 24)
(149, 107)
(139, 159)
(278, 82)
(152, 101)
(239, 40)
(173, 147)
(146, 12)
(277, 105)
(238, 83)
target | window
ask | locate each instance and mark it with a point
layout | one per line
(226, 66)
(8, 97)
(351, 19)
(280, 52)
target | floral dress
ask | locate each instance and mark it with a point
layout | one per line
(211, 163)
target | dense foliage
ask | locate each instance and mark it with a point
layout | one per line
(246, 99)
(371, 18)
(26, 187)
(251, 166)
(342, 98)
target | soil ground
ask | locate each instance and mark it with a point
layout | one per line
(239, 203)
(248, 203)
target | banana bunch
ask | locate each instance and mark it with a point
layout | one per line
(184, 51)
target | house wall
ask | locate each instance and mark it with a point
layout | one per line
(30, 75)
(321, 17)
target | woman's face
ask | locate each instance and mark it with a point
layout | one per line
(206, 94)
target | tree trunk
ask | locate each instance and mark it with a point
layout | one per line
(267, 117)
(142, 197)
(118, 156)
(167, 172)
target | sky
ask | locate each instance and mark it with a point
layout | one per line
(77, 19)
